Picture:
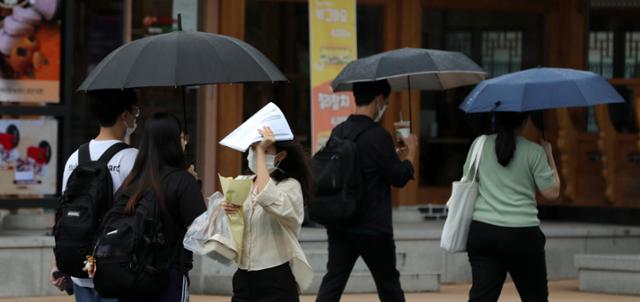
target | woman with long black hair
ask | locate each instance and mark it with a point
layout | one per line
(272, 266)
(505, 234)
(161, 167)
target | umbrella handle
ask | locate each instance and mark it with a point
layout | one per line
(542, 126)
(184, 109)
(410, 111)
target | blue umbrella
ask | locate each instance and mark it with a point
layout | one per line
(540, 88)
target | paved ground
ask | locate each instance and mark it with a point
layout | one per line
(561, 291)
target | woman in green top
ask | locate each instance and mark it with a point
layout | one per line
(504, 235)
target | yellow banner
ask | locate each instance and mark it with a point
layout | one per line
(333, 44)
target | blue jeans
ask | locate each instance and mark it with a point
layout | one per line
(87, 294)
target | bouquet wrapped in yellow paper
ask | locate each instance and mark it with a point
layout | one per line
(236, 190)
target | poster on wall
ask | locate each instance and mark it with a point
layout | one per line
(30, 51)
(28, 153)
(333, 44)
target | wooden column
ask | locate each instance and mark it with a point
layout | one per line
(409, 30)
(567, 40)
(207, 113)
(230, 97)
(607, 143)
(636, 105)
(620, 171)
(567, 144)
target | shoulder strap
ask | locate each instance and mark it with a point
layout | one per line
(476, 155)
(84, 156)
(113, 150)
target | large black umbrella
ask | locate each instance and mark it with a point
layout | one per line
(179, 59)
(412, 68)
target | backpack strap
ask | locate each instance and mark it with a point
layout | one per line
(112, 151)
(84, 156)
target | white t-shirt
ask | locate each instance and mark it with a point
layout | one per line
(120, 165)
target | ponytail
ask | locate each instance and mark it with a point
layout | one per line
(506, 125)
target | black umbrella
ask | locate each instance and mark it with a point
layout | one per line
(412, 68)
(179, 59)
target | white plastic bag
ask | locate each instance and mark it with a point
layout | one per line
(209, 234)
(461, 205)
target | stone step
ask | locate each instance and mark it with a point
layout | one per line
(28, 221)
(613, 274)
(608, 262)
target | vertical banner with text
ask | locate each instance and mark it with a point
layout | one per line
(333, 44)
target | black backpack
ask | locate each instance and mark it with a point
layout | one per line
(338, 179)
(88, 196)
(132, 252)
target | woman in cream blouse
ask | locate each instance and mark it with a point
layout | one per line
(272, 266)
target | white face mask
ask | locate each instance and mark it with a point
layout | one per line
(130, 130)
(380, 113)
(269, 158)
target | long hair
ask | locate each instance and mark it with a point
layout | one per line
(506, 125)
(295, 165)
(160, 148)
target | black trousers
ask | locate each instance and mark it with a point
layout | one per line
(275, 284)
(378, 253)
(494, 251)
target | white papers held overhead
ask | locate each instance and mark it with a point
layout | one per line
(269, 116)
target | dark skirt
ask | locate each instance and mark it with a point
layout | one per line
(276, 284)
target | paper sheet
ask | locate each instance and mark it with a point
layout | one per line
(246, 134)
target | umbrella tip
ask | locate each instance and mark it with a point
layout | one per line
(498, 103)
(179, 21)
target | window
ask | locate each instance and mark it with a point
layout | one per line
(100, 32)
(614, 53)
(500, 43)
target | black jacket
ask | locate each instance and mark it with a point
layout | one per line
(184, 202)
(382, 168)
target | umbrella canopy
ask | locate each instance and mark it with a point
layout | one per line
(540, 88)
(412, 68)
(181, 58)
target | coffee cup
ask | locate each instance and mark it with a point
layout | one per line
(403, 129)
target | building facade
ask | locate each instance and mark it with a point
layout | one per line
(598, 149)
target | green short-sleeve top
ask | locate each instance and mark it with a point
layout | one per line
(507, 194)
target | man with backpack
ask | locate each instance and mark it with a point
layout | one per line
(92, 175)
(369, 233)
